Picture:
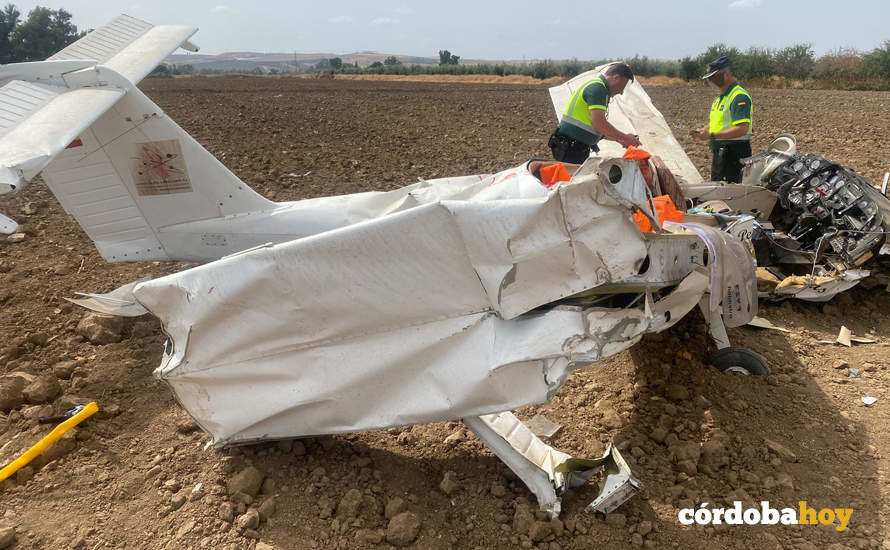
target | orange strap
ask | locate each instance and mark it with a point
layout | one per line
(553, 174)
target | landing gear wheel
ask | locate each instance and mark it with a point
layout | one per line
(739, 361)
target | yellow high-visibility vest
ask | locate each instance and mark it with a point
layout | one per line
(721, 116)
(577, 111)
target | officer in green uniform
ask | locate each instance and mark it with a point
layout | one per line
(729, 129)
(583, 123)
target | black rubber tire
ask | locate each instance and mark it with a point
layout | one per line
(740, 361)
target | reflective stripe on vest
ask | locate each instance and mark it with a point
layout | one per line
(721, 114)
(577, 111)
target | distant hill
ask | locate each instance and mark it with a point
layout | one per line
(289, 62)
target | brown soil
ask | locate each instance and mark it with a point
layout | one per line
(127, 482)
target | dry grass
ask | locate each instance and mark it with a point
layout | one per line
(662, 81)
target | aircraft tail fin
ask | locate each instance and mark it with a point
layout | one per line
(114, 160)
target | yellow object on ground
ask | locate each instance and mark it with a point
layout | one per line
(47, 441)
(803, 280)
(766, 281)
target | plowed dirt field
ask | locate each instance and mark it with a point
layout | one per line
(136, 475)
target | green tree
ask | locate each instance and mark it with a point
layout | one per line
(9, 19)
(336, 63)
(876, 63)
(375, 65)
(795, 61)
(715, 51)
(448, 58)
(44, 33)
(753, 63)
(183, 69)
(391, 61)
(690, 69)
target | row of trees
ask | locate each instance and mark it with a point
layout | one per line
(840, 68)
(798, 62)
(42, 34)
(337, 65)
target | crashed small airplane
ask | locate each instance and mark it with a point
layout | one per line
(453, 298)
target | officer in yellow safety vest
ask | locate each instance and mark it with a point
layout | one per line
(583, 122)
(729, 129)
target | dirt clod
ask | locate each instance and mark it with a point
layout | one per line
(403, 529)
(226, 512)
(7, 537)
(267, 509)
(42, 390)
(11, 392)
(101, 329)
(350, 504)
(248, 520)
(394, 507)
(449, 484)
(64, 369)
(616, 519)
(248, 481)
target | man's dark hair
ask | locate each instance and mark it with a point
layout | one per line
(621, 69)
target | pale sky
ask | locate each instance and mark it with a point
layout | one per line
(501, 29)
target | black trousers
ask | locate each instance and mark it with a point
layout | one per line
(726, 164)
(565, 149)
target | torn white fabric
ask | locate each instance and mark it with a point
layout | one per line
(119, 301)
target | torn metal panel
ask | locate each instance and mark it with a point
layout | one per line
(732, 271)
(845, 337)
(752, 199)
(532, 460)
(549, 473)
(761, 322)
(119, 301)
(820, 289)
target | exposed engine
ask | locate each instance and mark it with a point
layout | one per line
(825, 208)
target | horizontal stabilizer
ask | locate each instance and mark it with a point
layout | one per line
(37, 121)
(130, 46)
